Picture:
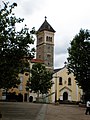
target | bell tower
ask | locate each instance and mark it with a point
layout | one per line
(45, 44)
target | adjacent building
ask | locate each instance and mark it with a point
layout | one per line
(21, 90)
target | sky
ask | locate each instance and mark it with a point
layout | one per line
(67, 17)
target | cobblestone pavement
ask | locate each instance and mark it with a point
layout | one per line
(33, 111)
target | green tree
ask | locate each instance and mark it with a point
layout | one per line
(14, 47)
(79, 59)
(40, 81)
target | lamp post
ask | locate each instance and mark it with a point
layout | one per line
(56, 90)
(56, 87)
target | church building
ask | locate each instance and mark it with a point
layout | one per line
(64, 87)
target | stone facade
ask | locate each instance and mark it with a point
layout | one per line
(45, 44)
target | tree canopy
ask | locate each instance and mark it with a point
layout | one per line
(79, 59)
(40, 81)
(14, 47)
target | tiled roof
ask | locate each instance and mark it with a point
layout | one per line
(37, 61)
(46, 26)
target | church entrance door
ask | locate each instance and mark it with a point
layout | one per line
(65, 96)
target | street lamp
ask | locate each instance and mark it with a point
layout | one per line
(56, 86)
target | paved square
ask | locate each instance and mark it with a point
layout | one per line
(36, 111)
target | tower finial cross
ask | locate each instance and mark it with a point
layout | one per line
(45, 17)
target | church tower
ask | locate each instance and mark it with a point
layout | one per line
(45, 44)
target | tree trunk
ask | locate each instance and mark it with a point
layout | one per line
(37, 96)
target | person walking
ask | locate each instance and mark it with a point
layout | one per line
(88, 107)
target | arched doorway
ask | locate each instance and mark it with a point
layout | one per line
(25, 97)
(65, 96)
(30, 99)
(20, 97)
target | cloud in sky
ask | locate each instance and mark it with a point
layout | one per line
(28, 7)
(67, 17)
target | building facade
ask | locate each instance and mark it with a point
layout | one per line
(21, 90)
(65, 87)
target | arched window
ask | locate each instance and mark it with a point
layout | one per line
(60, 80)
(69, 81)
(50, 39)
(47, 38)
